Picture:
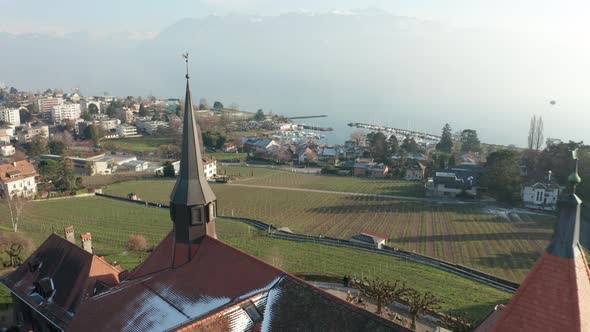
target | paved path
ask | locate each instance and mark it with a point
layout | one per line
(423, 323)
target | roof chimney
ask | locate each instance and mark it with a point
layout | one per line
(69, 233)
(193, 205)
(86, 242)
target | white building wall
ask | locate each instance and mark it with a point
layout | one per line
(10, 115)
(25, 187)
(65, 112)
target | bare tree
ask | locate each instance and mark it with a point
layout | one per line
(539, 134)
(458, 321)
(16, 206)
(383, 292)
(420, 303)
(535, 138)
(532, 133)
(357, 137)
(15, 246)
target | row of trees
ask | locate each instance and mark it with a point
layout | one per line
(419, 303)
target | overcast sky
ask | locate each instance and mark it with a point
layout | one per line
(149, 17)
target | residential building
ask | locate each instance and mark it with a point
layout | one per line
(85, 104)
(369, 168)
(190, 281)
(32, 130)
(10, 115)
(7, 150)
(457, 180)
(133, 166)
(415, 171)
(7, 132)
(209, 168)
(46, 105)
(370, 238)
(95, 165)
(18, 179)
(554, 295)
(125, 115)
(541, 195)
(307, 155)
(65, 111)
(125, 130)
(150, 127)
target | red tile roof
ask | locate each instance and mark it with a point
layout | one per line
(74, 273)
(555, 296)
(217, 276)
(374, 234)
(23, 167)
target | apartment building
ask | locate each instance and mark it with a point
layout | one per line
(10, 115)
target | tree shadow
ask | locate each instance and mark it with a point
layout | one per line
(506, 236)
(513, 260)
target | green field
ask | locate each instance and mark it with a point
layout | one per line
(285, 178)
(111, 222)
(140, 144)
(464, 234)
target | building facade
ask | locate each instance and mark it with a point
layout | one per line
(45, 105)
(18, 179)
(32, 130)
(10, 115)
(64, 112)
(125, 130)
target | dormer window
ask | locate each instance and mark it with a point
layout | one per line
(196, 215)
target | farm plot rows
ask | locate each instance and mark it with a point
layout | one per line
(112, 221)
(285, 178)
(464, 234)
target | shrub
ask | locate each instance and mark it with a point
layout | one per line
(15, 248)
(137, 242)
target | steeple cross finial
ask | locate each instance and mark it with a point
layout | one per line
(185, 56)
(574, 179)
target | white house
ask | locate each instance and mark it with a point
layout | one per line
(18, 179)
(7, 150)
(10, 115)
(209, 168)
(542, 196)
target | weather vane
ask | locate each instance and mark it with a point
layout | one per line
(185, 56)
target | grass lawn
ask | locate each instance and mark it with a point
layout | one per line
(111, 222)
(463, 234)
(227, 156)
(140, 144)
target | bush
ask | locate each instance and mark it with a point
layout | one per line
(137, 242)
(14, 248)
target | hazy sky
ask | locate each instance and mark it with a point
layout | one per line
(490, 64)
(546, 16)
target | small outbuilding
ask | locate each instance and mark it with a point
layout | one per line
(371, 238)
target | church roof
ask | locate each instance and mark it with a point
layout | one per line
(555, 295)
(75, 275)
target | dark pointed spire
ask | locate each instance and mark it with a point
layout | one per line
(193, 206)
(565, 242)
(191, 186)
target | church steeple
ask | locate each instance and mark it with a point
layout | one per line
(193, 205)
(565, 242)
(554, 295)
